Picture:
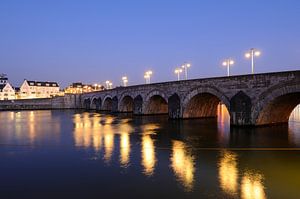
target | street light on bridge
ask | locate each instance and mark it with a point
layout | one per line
(185, 66)
(125, 81)
(228, 63)
(251, 54)
(108, 85)
(178, 71)
(147, 76)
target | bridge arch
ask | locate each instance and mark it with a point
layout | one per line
(276, 104)
(203, 102)
(87, 103)
(126, 103)
(107, 103)
(96, 103)
(156, 103)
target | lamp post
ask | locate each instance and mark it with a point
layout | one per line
(251, 54)
(125, 81)
(107, 84)
(95, 87)
(185, 66)
(178, 71)
(147, 76)
(228, 63)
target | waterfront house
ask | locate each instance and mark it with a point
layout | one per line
(37, 89)
(6, 91)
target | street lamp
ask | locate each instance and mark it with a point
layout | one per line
(125, 80)
(107, 84)
(147, 76)
(95, 86)
(228, 63)
(185, 66)
(251, 54)
(178, 71)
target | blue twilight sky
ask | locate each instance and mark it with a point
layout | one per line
(95, 40)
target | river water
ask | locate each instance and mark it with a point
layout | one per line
(71, 154)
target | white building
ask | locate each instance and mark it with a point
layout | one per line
(7, 92)
(37, 89)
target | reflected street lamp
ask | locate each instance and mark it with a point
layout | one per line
(251, 54)
(178, 71)
(228, 63)
(185, 66)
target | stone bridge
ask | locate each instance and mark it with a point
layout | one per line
(259, 99)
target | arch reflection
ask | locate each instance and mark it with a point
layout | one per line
(182, 163)
(228, 172)
(252, 186)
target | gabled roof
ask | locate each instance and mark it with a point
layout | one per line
(2, 86)
(44, 84)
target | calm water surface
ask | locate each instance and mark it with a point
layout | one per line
(69, 154)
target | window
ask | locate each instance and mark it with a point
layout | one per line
(39, 84)
(47, 84)
(31, 84)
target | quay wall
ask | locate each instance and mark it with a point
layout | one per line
(62, 102)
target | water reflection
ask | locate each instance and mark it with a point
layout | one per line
(182, 163)
(28, 127)
(87, 131)
(148, 155)
(125, 129)
(177, 145)
(124, 149)
(228, 172)
(252, 186)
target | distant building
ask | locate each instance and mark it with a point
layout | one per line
(38, 89)
(7, 92)
(78, 87)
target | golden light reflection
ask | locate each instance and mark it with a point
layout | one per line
(228, 172)
(148, 155)
(124, 149)
(87, 131)
(28, 126)
(182, 164)
(108, 145)
(223, 118)
(252, 186)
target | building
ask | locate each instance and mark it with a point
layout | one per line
(37, 89)
(7, 92)
(78, 87)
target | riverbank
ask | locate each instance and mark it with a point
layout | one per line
(61, 102)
